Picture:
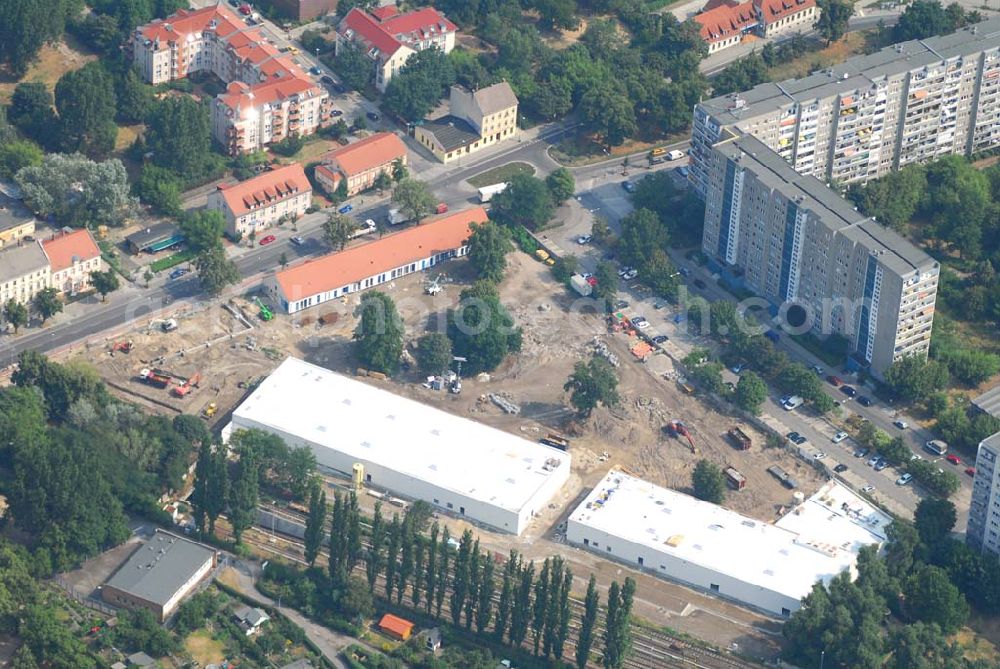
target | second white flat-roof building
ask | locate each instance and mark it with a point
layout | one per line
(767, 566)
(411, 449)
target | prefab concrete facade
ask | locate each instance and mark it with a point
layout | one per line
(412, 450)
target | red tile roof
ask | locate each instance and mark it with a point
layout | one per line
(369, 153)
(336, 270)
(240, 97)
(398, 626)
(382, 13)
(774, 10)
(725, 21)
(267, 188)
(65, 249)
(187, 21)
(395, 29)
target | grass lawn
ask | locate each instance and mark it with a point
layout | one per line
(313, 150)
(127, 135)
(501, 174)
(54, 60)
(851, 45)
(171, 261)
(579, 150)
(204, 649)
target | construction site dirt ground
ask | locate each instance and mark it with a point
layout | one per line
(557, 334)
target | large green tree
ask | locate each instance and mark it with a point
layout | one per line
(608, 111)
(215, 270)
(379, 334)
(708, 482)
(833, 18)
(243, 494)
(414, 199)
(86, 102)
(914, 378)
(526, 201)
(203, 229)
(179, 138)
(17, 154)
(105, 282)
(561, 184)
(77, 191)
(592, 383)
(16, 314)
(934, 519)
(416, 89)
(27, 26)
(337, 230)
(47, 303)
(353, 65)
(32, 111)
(481, 329)
(932, 598)
(751, 392)
(315, 523)
(489, 244)
(433, 353)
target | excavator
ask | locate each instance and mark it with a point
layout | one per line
(264, 314)
(678, 429)
(185, 388)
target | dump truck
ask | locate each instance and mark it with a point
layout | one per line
(555, 441)
(581, 285)
(153, 378)
(735, 479)
(739, 438)
(183, 389)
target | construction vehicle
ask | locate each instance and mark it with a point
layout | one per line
(580, 284)
(555, 441)
(183, 389)
(169, 325)
(735, 479)
(739, 438)
(782, 476)
(486, 193)
(433, 287)
(123, 346)
(677, 429)
(264, 314)
(209, 411)
(152, 377)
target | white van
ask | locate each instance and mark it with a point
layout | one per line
(793, 402)
(936, 446)
(675, 154)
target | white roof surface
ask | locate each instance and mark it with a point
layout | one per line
(367, 423)
(813, 541)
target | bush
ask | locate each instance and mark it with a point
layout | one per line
(289, 146)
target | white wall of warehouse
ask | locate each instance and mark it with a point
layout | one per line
(669, 566)
(382, 477)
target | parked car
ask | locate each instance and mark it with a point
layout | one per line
(819, 455)
(971, 471)
(848, 390)
(793, 402)
(839, 437)
(840, 469)
(818, 369)
(373, 116)
(628, 186)
(659, 339)
(834, 380)
(684, 271)
(868, 489)
(178, 273)
(953, 459)
(861, 452)
(298, 241)
(631, 274)
(584, 239)
(683, 171)
(346, 209)
(739, 367)
(315, 70)
(904, 479)
(881, 464)
(327, 79)
(267, 240)
(874, 460)
(336, 113)
(901, 424)
(624, 270)
(621, 304)
(865, 401)
(796, 438)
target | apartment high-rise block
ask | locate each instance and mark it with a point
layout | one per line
(793, 241)
(983, 532)
(908, 103)
(269, 98)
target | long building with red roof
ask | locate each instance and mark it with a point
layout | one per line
(258, 203)
(361, 163)
(374, 263)
(269, 97)
(725, 23)
(389, 37)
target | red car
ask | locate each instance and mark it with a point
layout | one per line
(971, 471)
(953, 459)
(835, 380)
(267, 240)
(245, 9)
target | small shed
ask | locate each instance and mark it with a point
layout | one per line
(432, 639)
(396, 627)
(141, 660)
(154, 239)
(250, 619)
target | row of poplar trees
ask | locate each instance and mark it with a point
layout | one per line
(508, 600)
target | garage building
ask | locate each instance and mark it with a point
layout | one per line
(766, 566)
(408, 448)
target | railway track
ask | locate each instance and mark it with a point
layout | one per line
(651, 649)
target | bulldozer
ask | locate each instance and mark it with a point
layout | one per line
(678, 429)
(209, 411)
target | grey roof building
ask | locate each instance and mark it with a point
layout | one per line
(16, 221)
(792, 240)
(24, 272)
(155, 238)
(908, 103)
(451, 132)
(141, 660)
(159, 574)
(989, 402)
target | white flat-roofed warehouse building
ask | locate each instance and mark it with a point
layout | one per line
(768, 566)
(408, 448)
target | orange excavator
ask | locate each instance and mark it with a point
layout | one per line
(183, 389)
(123, 346)
(677, 429)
